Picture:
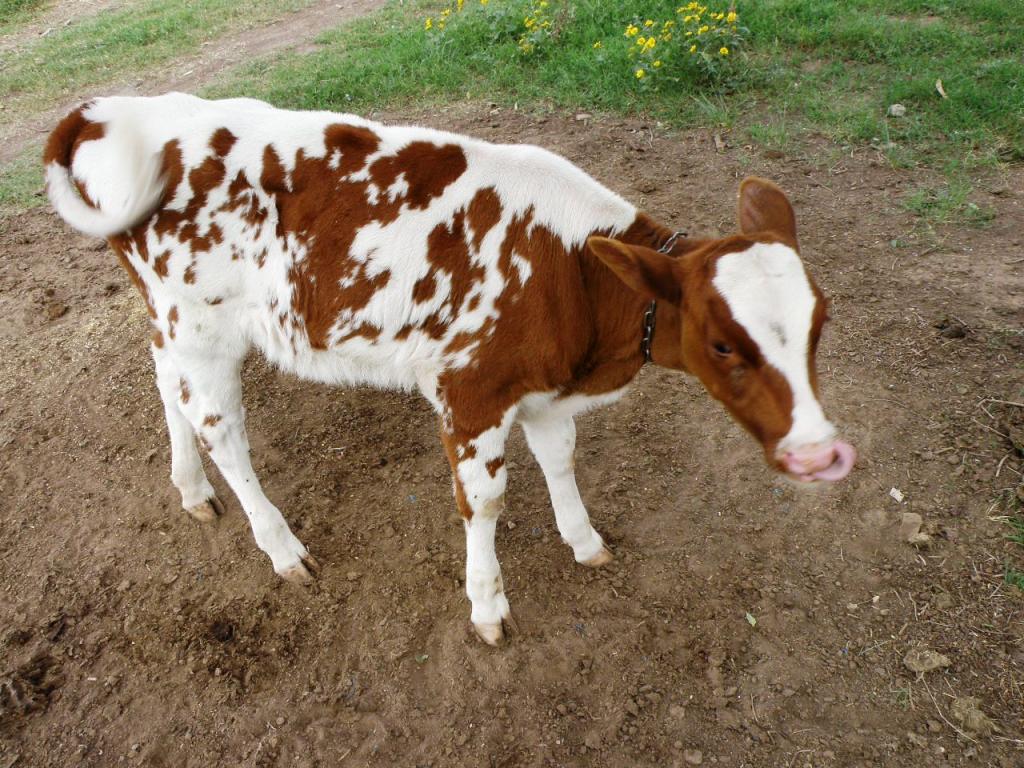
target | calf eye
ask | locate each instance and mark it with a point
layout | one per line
(722, 349)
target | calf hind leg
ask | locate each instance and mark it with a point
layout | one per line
(479, 476)
(553, 442)
(197, 495)
(214, 410)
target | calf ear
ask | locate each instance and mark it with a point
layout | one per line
(765, 208)
(647, 272)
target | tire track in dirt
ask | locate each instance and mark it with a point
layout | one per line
(294, 31)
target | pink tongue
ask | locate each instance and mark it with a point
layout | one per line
(846, 455)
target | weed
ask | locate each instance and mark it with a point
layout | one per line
(948, 204)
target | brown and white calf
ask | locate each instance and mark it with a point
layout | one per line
(501, 281)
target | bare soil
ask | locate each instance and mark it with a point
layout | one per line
(744, 622)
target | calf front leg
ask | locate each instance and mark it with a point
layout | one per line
(553, 442)
(213, 407)
(479, 477)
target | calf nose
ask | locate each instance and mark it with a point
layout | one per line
(830, 462)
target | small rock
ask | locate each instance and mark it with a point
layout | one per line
(916, 739)
(943, 601)
(677, 711)
(910, 529)
(921, 660)
(592, 741)
(897, 110)
(966, 711)
(280, 721)
(353, 575)
(583, 116)
(934, 726)
(693, 756)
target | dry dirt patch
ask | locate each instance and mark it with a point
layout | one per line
(174, 644)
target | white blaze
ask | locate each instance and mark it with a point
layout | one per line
(769, 294)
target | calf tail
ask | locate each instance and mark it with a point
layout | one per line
(131, 169)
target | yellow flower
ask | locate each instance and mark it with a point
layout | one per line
(641, 41)
(724, 51)
(731, 18)
(657, 63)
(632, 31)
(598, 44)
(703, 29)
(640, 74)
(460, 3)
(484, 2)
(693, 48)
(651, 42)
(429, 24)
(648, 23)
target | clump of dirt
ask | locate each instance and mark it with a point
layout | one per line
(743, 622)
(27, 688)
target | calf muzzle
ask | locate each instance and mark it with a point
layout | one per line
(828, 462)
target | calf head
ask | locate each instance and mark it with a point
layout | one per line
(749, 318)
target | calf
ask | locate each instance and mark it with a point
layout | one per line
(500, 280)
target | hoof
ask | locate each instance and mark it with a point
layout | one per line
(601, 558)
(208, 511)
(494, 634)
(302, 574)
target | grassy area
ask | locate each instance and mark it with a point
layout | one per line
(20, 180)
(821, 66)
(16, 12)
(118, 43)
(831, 66)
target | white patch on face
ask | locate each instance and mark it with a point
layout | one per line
(769, 294)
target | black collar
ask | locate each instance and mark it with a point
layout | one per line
(652, 308)
(648, 337)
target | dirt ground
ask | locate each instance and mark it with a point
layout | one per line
(745, 622)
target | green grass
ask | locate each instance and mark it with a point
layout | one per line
(948, 204)
(16, 12)
(1015, 522)
(114, 44)
(831, 66)
(20, 181)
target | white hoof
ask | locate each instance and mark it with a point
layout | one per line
(207, 511)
